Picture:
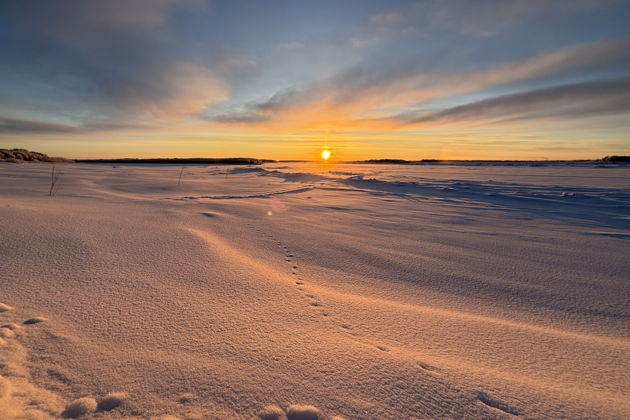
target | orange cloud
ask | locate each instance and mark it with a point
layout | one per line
(357, 100)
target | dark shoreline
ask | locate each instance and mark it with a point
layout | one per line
(23, 155)
(182, 161)
(605, 160)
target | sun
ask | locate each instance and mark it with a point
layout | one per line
(326, 154)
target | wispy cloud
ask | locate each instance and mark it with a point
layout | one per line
(18, 126)
(576, 100)
(293, 45)
(10, 125)
(117, 57)
(351, 96)
(89, 22)
(481, 18)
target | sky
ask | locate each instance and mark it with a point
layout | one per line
(444, 79)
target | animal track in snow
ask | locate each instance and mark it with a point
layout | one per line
(186, 398)
(313, 301)
(427, 367)
(35, 320)
(496, 404)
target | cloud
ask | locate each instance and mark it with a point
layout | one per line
(167, 90)
(14, 126)
(577, 100)
(10, 125)
(184, 90)
(116, 59)
(406, 83)
(351, 96)
(240, 117)
(144, 63)
(266, 111)
(482, 18)
(391, 18)
(81, 22)
(292, 46)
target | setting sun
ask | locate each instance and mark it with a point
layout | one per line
(326, 154)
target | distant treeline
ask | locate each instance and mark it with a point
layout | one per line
(395, 161)
(23, 155)
(607, 159)
(616, 159)
(211, 161)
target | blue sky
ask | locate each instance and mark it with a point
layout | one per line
(510, 79)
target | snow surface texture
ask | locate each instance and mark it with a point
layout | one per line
(308, 291)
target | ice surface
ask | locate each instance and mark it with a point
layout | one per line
(358, 291)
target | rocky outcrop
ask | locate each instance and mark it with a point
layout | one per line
(23, 155)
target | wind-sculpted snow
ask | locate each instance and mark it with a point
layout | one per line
(607, 207)
(236, 197)
(312, 291)
(287, 176)
(596, 207)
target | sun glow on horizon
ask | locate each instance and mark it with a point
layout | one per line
(326, 154)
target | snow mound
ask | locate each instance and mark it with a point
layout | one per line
(304, 412)
(296, 176)
(186, 398)
(246, 170)
(79, 407)
(6, 332)
(272, 412)
(5, 388)
(112, 400)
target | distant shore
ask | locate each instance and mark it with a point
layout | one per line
(23, 155)
(606, 159)
(213, 161)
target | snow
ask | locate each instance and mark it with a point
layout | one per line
(315, 290)
(79, 407)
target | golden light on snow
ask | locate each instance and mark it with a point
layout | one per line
(325, 154)
(252, 274)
